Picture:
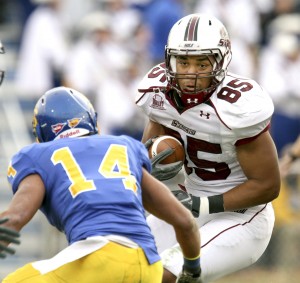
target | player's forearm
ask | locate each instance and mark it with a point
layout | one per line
(152, 129)
(249, 194)
(14, 220)
(189, 239)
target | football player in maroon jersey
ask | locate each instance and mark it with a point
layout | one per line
(230, 174)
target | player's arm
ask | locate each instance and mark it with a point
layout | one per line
(159, 201)
(152, 129)
(25, 203)
(259, 162)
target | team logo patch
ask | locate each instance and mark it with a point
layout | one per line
(72, 123)
(57, 128)
(158, 102)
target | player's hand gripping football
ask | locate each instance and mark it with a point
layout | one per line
(7, 235)
(163, 172)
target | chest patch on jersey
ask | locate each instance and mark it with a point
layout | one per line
(158, 102)
(180, 126)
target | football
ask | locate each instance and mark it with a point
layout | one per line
(163, 142)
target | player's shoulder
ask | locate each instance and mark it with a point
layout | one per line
(136, 150)
(242, 101)
(154, 80)
(27, 149)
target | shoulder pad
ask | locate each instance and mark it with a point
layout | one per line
(242, 102)
(154, 80)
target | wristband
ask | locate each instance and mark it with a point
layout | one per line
(192, 264)
(207, 205)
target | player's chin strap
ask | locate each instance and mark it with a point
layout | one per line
(200, 205)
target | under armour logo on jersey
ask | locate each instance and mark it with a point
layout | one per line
(189, 100)
(203, 114)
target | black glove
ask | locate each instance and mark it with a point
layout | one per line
(188, 277)
(7, 235)
(163, 172)
(184, 198)
(191, 271)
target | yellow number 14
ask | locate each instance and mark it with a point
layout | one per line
(115, 164)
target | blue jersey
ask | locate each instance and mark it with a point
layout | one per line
(92, 186)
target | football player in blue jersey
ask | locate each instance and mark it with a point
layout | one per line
(6, 234)
(96, 189)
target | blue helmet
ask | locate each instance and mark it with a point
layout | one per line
(62, 113)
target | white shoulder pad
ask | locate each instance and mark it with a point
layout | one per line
(154, 80)
(242, 102)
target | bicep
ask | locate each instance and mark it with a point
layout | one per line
(27, 200)
(259, 160)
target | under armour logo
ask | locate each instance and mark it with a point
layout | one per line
(189, 100)
(202, 114)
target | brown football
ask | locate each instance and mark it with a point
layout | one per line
(163, 142)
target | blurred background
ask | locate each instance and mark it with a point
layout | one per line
(103, 48)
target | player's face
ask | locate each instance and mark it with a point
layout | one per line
(193, 72)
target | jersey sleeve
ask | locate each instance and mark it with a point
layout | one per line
(250, 114)
(21, 165)
(153, 82)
